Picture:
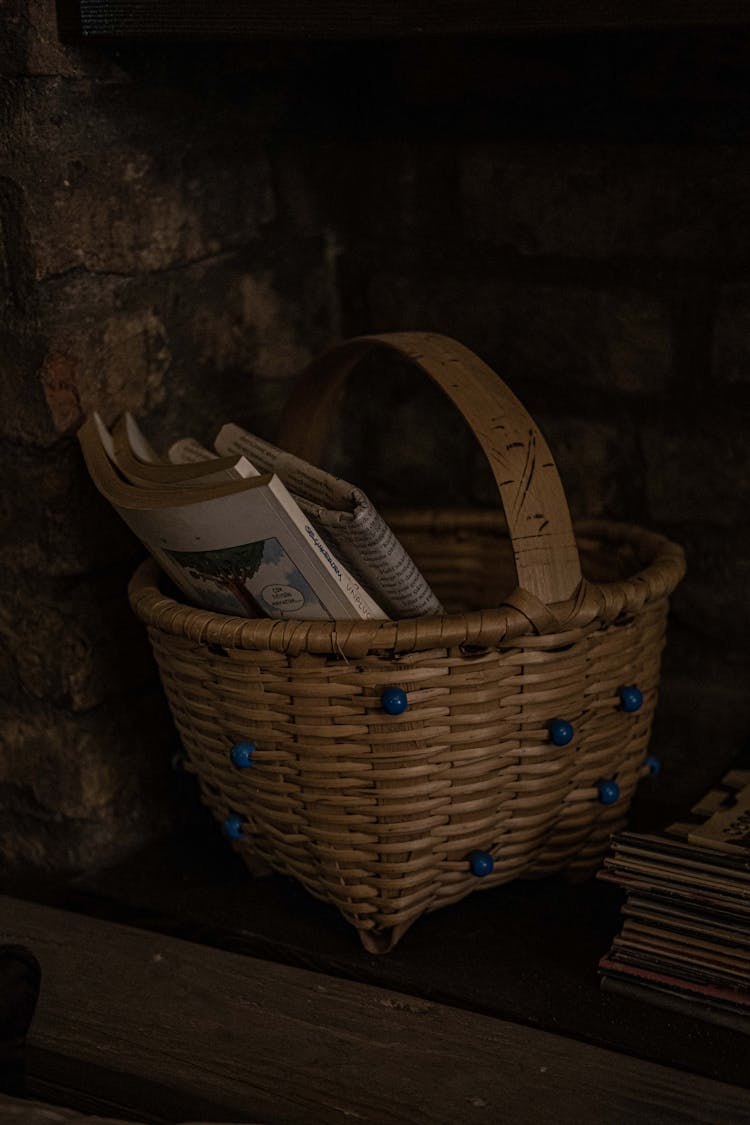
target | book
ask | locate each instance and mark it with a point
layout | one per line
(352, 526)
(685, 935)
(239, 545)
(676, 996)
(140, 464)
(343, 515)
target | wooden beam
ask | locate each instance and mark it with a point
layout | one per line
(171, 1031)
(24, 1111)
(228, 19)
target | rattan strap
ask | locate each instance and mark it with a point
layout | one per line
(536, 511)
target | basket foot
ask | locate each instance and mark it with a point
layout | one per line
(383, 941)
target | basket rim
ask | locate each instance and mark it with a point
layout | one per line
(521, 614)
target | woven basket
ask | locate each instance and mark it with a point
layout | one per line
(388, 816)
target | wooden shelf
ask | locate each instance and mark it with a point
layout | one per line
(141, 1023)
(514, 967)
(233, 20)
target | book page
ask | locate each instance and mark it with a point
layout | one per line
(244, 550)
(300, 477)
(257, 578)
(347, 519)
(241, 547)
(139, 443)
(239, 554)
(156, 473)
(187, 451)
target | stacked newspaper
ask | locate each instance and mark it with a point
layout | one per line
(251, 530)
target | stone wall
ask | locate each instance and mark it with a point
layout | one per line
(147, 264)
(183, 227)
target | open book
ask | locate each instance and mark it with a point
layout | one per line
(140, 464)
(232, 539)
(342, 515)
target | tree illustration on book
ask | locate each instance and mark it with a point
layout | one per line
(258, 579)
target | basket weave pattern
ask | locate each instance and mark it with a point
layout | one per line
(377, 813)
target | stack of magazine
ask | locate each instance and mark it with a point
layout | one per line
(249, 529)
(685, 938)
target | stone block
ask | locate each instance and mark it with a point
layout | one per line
(17, 289)
(599, 463)
(712, 600)
(74, 767)
(700, 712)
(243, 328)
(731, 345)
(74, 645)
(97, 343)
(251, 317)
(115, 182)
(697, 467)
(440, 464)
(24, 415)
(300, 208)
(145, 343)
(122, 361)
(57, 523)
(400, 438)
(78, 792)
(384, 193)
(601, 201)
(574, 336)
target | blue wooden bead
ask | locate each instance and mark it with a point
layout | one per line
(561, 732)
(609, 791)
(481, 863)
(654, 765)
(631, 698)
(242, 755)
(233, 826)
(394, 701)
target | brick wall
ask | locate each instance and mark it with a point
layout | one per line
(182, 228)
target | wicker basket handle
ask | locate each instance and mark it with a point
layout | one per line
(546, 556)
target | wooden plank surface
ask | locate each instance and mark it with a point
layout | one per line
(178, 1026)
(229, 19)
(526, 952)
(25, 1111)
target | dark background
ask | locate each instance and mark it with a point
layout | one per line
(184, 225)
